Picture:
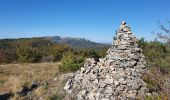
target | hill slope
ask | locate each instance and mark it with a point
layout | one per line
(76, 42)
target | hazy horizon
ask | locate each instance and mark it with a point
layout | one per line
(96, 20)
(61, 37)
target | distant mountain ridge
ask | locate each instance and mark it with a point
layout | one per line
(71, 41)
(76, 42)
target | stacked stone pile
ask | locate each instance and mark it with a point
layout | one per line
(117, 76)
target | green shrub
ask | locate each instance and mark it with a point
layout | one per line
(102, 53)
(71, 62)
(154, 98)
(56, 97)
(88, 53)
(28, 55)
(58, 50)
(157, 54)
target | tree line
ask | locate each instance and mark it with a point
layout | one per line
(36, 50)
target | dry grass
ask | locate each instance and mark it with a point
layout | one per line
(159, 83)
(14, 76)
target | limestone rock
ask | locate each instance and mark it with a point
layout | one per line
(116, 83)
(117, 76)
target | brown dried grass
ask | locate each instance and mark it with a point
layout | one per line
(14, 76)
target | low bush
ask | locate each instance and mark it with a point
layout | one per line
(157, 54)
(56, 97)
(71, 62)
(157, 82)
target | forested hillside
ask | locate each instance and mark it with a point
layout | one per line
(31, 50)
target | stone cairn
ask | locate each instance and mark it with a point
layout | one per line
(115, 77)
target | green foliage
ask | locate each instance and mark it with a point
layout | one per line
(30, 50)
(156, 53)
(148, 98)
(56, 97)
(103, 51)
(71, 62)
(153, 98)
(142, 43)
(27, 54)
(92, 53)
(58, 50)
(157, 57)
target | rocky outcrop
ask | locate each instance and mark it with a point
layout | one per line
(117, 76)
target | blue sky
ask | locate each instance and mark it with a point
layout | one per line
(96, 20)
